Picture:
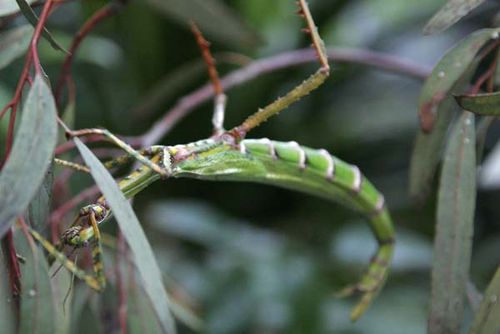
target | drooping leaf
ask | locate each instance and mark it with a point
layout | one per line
(8, 7)
(37, 314)
(427, 153)
(14, 43)
(481, 104)
(213, 17)
(454, 229)
(33, 19)
(449, 14)
(445, 75)
(486, 319)
(31, 154)
(7, 305)
(134, 235)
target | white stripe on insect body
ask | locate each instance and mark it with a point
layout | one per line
(302, 153)
(269, 143)
(356, 184)
(380, 203)
(166, 159)
(243, 148)
(330, 169)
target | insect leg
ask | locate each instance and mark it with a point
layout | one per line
(311, 83)
(67, 263)
(123, 145)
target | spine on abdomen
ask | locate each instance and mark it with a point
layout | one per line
(350, 183)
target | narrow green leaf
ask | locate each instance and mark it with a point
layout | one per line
(30, 15)
(454, 229)
(14, 43)
(8, 7)
(427, 153)
(31, 154)
(7, 315)
(449, 14)
(445, 75)
(214, 18)
(487, 319)
(136, 239)
(481, 104)
(37, 314)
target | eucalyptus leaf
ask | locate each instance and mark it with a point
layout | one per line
(481, 104)
(486, 319)
(454, 229)
(14, 43)
(134, 235)
(445, 75)
(37, 311)
(213, 17)
(427, 153)
(30, 15)
(34, 144)
(451, 13)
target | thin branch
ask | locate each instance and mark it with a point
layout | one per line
(31, 58)
(288, 59)
(108, 10)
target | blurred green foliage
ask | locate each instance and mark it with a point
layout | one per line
(257, 259)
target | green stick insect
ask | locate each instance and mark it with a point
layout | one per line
(228, 156)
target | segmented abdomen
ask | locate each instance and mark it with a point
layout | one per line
(339, 180)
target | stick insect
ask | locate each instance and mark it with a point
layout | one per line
(229, 156)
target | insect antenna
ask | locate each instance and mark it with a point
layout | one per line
(62, 265)
(220, 97)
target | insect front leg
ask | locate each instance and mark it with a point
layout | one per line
(121, 144)
(67, 263)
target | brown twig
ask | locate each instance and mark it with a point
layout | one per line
(209, 60)
(488, 74)
(108, 10)
(288, 59)
(13, 263)
(31, 58)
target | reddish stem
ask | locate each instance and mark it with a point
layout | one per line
(488, 74)
(31, 57)
(287, 59)
(103, 13)
(37, 33)
(13, 263)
